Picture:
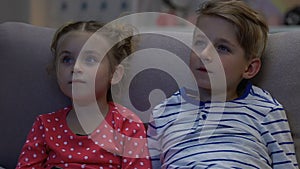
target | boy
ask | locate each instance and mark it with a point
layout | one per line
(231, 124)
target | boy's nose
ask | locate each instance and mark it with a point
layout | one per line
(207, 54)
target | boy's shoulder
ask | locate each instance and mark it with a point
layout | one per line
(172, 106)
(258, 95)
(253, 96)
(174, 100)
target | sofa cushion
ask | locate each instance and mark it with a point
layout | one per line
(26, 87)
(280, 76)
(27, 90)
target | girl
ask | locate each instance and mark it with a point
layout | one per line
(95, 132)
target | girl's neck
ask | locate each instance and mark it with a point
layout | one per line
(84, 119)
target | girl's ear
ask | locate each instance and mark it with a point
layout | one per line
(118, 74)
(252, 69)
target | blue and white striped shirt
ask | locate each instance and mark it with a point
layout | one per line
(249, 132)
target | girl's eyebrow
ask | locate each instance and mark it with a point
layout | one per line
(91, 52)
(64, 52)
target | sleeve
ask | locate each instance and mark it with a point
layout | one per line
(154, 145)
(33, 153)
(135, 149)
(279, 140)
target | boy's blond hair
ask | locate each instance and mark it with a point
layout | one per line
(251, 27)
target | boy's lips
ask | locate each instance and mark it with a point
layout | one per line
(201, 69)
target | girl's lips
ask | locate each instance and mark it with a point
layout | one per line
(77, 81)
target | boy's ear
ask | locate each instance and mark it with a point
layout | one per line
(118, 74)
(252, 69)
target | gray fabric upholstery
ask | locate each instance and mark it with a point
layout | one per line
(280, 76)
(27, 90)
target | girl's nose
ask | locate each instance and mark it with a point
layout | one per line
(77, 68)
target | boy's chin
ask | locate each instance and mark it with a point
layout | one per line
(204, 86)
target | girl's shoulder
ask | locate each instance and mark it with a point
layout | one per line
(123, 113)
(55, 115)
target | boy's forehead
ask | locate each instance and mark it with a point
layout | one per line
(198, 34)
(215, 27)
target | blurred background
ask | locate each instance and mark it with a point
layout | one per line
(52, 13)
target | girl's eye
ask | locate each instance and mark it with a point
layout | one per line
(68, 60)
(223, 48)
(90, 59)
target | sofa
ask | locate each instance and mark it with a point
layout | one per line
(28, 90)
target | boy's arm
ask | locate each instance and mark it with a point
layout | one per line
(279, 140)
(154, 145)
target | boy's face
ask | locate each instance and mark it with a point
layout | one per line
(217, 41)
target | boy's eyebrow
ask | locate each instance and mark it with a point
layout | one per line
(219, 40)
(223, 40)
(200, 35)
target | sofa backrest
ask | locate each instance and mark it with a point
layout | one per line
(280, 76)
(27, 90)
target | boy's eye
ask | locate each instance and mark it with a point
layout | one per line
(223, 48)
(199, 45)
(68, 60)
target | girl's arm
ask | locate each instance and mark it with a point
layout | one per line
(33, 154)
(135, 148)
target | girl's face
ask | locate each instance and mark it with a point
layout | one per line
(82, 74)
(218, 41)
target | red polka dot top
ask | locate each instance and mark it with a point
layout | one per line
(118, 142)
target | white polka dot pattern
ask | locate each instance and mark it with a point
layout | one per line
(117, 143)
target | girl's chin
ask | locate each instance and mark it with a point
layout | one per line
(82, 100)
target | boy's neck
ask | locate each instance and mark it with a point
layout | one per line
(207, 95)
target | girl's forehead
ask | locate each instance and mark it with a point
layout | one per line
(84, 35)
(79, 35)
(88, 40)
